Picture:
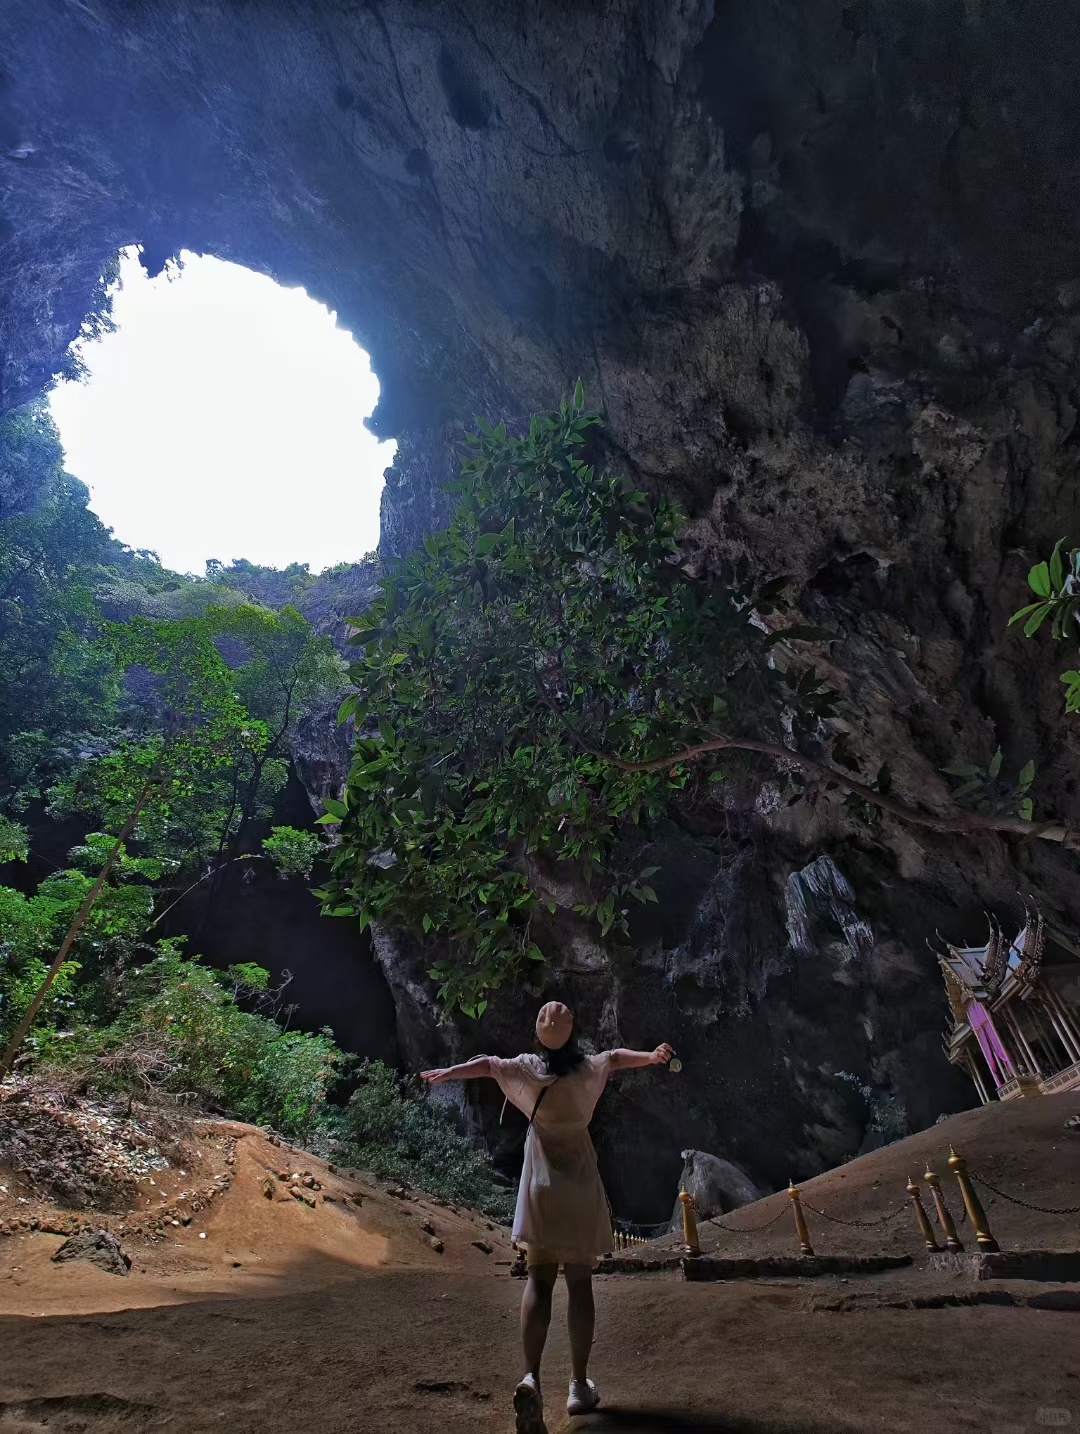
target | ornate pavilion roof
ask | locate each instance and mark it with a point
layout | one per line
(982, 972)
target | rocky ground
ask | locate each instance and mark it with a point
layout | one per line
(303, 1295)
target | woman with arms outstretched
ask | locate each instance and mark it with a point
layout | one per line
(562, 1215)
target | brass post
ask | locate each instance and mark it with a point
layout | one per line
(689, 1224)
(972, 1204)
(945, 1220)
(801, 1232)
(926, 1230)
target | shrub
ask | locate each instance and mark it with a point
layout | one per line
(389, 1128)
(291, 1080)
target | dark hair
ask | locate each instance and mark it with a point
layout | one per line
(566, 1059)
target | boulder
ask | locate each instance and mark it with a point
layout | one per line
(99, 1247)
(716, 1185)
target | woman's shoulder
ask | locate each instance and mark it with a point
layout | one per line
(527, 1063)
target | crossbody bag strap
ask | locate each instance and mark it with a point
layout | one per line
(536, 1107)
(539, 1102)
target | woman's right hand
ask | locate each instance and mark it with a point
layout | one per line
(662, 1054)
(436, 1077)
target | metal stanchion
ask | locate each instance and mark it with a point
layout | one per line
(972, 1204)
(945, 1220)
(926, 1230)
(801, 1232)
(689, 1224)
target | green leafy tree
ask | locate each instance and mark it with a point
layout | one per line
(200, 725)
(54, 679)
(14, 843)
(553, 622)
(544, 679)
(293, 852)
(32, 926)
(281, 669)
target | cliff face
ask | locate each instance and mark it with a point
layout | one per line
(815, 263)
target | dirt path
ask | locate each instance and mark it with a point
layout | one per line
(434, 1353)
(281, 1306)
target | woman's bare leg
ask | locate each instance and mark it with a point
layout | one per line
(536, 1314)
(581, 1317)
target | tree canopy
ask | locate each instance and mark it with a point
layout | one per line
(554, 621)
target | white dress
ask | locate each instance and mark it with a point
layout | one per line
(562, 1214)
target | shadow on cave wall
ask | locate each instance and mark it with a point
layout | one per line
(256, 916)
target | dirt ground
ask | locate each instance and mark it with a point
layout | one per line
(338, 1315)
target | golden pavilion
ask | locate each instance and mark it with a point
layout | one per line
(1016, 1010)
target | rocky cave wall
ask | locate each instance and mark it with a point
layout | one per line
(815, 262)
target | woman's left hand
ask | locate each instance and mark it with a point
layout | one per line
(436, 1077)
(662, 1054)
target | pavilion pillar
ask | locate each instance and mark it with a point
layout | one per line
(1068, 1021)
(1026, 1051)
(1072, 1049)
(1048, 1035)
(976, 1076)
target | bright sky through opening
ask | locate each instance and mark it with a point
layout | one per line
(224, 419)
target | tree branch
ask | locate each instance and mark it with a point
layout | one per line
(957, 822)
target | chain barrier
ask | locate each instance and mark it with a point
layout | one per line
(653, 1232)
(646, 1232)
(1025, 1204)
(862, 1224)
(750, 1229)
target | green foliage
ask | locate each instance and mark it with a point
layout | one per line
(551, 623)
(182, 1032)
(32, 926)
(283, 667)
(988, 790)
(211, 701)
(293, 852)
(206, 1047)
(1056, 585)
(97, 848)
(401, 1134)
(192, 728)
(290, 1081)
(18, 983)
(863, 810)
(53, 678)
(14, 844)
(246, 976)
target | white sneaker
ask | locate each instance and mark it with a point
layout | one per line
(584, 1397)
(529, 1407)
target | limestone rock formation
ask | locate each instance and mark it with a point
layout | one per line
(716, 1185)
(816, 263)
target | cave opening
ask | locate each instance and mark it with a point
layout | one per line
(218, 419)
(216, 415)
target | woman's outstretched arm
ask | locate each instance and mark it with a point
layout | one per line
(624, 1060)
(470, 1070)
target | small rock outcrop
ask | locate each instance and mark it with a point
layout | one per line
(99, 1247)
